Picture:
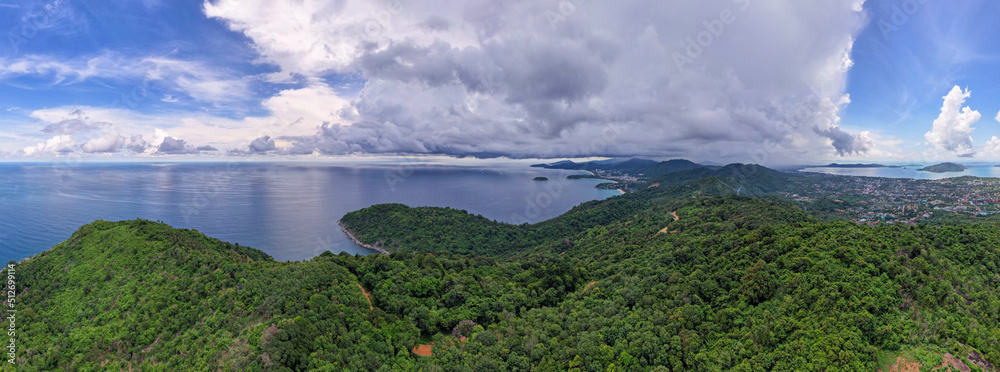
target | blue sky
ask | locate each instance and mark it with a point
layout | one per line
(768, 84)
(901, 72)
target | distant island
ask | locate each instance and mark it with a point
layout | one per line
(541, 178)
(835, 165)
(943, 168)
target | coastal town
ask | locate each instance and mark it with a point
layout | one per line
(871, 200)
(620, 180)
(861, 199)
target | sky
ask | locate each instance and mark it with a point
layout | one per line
(754, 81)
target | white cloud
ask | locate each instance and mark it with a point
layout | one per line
(998, 117)
(110, 142)
(952, 131)
(531, 78)
(298, 112)
(293, 113)
(75, 131)
(158, 136)
(197, 80)
(992, 147)
(90, 130)
(57, 144)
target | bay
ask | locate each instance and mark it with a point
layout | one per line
(289, 210)
(909, 172)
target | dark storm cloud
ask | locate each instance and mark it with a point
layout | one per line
(171, 145)
(136, 144)
(846, 143)
(435, 23)
(262, 144)
(712, 79)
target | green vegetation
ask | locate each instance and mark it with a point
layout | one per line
(734, 283)
(943, 168)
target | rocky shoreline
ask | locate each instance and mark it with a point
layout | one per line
(358, 242)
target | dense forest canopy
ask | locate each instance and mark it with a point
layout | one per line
(681, 277)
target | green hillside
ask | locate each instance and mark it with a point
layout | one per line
(729, 284)
(943, 168)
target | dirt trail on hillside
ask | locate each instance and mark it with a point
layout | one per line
(667, 229)
(368, 297)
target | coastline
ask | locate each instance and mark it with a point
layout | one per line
(358, 242)
(621, 191)
(599, 179)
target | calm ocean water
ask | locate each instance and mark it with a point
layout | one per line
(909, 172)
(289, 210)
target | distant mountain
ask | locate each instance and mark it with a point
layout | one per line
(944, 168)
(744, 179)
(634, 164)
(835, 165)
(612, 164)
(671, 166)
(649, 168)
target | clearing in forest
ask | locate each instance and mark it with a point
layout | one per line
(428, 349)
(424, 350)
(921, 360)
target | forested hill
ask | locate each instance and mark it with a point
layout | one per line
(729, 284)
(431, 229)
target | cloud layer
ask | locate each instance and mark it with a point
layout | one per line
(76, 132)
(711, 79)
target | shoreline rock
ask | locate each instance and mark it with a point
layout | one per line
(358, 242)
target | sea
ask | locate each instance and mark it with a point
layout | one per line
(288, 210)
(908, 172)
